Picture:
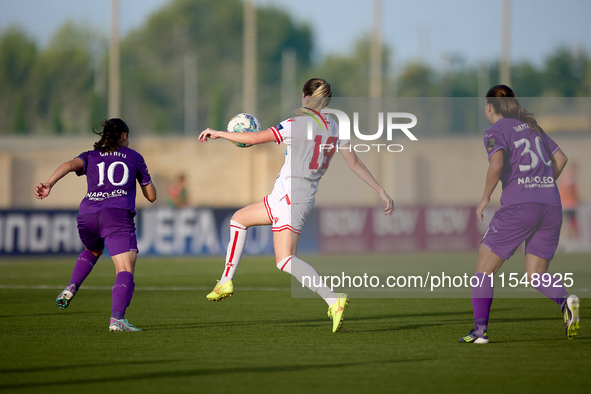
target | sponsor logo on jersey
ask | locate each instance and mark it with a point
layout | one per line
(491, 144)
(530, 182)
(101, 196)
(279, 127)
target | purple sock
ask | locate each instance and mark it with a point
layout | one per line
(482, 296)
(555, 291)
(122, 293)
(84, 265)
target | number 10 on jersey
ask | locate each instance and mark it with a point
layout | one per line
(111, 173)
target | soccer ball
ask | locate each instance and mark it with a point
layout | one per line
(243, 123)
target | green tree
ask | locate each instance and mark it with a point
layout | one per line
(418, 80)
(98, 110)
(565, 74)
(65, 79)
(349, 75)
(527, 80)
(216, 116)
(153, 61)
(57, 123)
(19, 120)
(18, 55)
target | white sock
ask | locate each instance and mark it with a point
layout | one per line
(234, 251)
(300, 269)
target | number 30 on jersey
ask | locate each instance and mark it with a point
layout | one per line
(534, 157)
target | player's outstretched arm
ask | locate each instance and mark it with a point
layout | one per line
(149, 191)
(493, 175)
(559, 161)
(42, 189)
(259, 137)
(357, 166)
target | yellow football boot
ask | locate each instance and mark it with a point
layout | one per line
(337, 311)
(571, 316)
(221, 291)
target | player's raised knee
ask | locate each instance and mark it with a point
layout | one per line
(284, 264)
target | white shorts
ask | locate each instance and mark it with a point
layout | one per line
(286, 216)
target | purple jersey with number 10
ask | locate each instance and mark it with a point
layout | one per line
(527, 170)
(111, 178)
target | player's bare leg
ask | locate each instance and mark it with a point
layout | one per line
(488, 262)
(254, 214)
(285, 243)
(546, 284)
(552, 288)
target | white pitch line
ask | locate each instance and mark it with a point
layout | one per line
(141, 288)
(205, 288)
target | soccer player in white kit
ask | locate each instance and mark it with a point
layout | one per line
(292, 198)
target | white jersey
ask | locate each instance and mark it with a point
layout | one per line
(307, 156)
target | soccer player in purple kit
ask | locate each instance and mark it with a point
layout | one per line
(106, 213)
(527, 162)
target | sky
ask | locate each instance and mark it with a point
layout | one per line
(428, 30)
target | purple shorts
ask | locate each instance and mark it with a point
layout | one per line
(111, 227)
(536, 224)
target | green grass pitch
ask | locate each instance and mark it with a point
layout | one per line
(263, 341)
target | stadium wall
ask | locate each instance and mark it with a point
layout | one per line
(446, 171)
(165, 231)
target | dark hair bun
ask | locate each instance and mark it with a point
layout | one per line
(111, 134)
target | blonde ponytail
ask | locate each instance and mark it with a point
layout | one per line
(319, 92)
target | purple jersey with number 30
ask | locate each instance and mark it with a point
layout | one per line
(527, 170)
(111, 178)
